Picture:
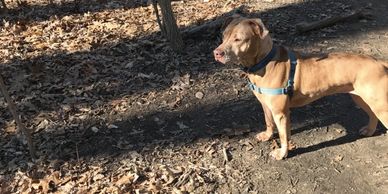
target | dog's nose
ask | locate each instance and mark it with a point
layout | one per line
(218, 53)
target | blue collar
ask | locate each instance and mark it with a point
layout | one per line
(264, 62)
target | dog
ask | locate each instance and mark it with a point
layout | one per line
(282, 79)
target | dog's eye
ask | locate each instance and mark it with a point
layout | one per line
(237, 40)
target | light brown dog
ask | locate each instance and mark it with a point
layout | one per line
(247, 41)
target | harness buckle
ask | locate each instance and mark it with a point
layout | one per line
(289, 90)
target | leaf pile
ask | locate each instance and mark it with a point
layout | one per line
(77, 72)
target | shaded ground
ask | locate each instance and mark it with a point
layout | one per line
(115, 110)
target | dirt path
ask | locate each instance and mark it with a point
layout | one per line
(115, 110)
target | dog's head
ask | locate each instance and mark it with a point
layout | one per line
(244, 40)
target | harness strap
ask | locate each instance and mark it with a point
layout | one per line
(289, 89)
(270, 91)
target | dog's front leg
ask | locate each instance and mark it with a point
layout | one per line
(270, 125)
(282, 120)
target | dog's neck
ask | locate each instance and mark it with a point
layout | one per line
(264, 48)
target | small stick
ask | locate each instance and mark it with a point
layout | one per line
(226, 156)
(16, 116)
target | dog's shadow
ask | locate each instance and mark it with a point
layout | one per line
(344, 113)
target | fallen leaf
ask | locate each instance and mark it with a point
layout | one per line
(125, 179)
(338, 158)
(95, 129)
(199, 95)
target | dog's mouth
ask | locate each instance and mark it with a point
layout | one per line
(220, 59)
(227, 59)
(231, 60)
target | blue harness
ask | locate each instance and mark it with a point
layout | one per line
(288, 90)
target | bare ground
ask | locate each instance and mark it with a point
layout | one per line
(114, 110)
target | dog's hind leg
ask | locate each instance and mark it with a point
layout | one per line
(369, 129)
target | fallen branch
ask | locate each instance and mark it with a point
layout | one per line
(20, 125)
(305, 27)
(211, 28)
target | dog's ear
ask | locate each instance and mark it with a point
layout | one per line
(258, 27)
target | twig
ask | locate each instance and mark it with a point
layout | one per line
(183, 178)
(76, 152)
(226, 156)
(227, 3)
(78, 163)
(16, 116)
(338, 171)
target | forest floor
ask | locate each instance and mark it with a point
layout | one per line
(115, 110)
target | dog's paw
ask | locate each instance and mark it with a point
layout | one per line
(278, 154)
(263, 136)
(365, 131)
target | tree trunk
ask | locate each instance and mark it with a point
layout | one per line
(170, 26)
(161, 26)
